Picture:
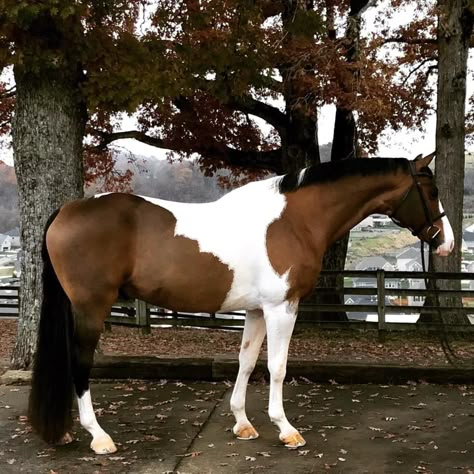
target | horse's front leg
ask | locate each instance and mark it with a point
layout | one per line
(280, 321)
(252, 338)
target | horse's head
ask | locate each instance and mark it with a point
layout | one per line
(421, 211)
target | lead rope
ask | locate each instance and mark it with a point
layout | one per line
(450, 354)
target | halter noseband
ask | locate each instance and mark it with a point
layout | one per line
(430, 220)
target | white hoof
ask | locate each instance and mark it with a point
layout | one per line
(245, 432)
(103, 445)
(293, 441)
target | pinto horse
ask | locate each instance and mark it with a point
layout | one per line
(259, 249)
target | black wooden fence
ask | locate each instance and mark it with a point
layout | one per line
(379, 287)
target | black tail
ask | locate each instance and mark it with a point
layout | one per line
(51, 394)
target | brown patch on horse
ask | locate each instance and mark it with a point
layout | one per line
(90, 256)
(171, 271)
(97, 252)
(292, 246)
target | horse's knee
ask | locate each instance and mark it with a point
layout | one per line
(277, 372)
(246, 367)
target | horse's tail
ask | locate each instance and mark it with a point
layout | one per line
(51, 395)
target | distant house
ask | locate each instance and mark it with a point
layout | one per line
(381, 222)
(409, 259)
(416, 284)
(366, 223)
(375, 263)
(414, 265)
(5, 243)
(15, 236)
(468, 241)
(370, 300)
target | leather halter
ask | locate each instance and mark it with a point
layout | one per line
(431, 229)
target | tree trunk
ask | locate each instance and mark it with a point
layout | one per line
(300, 147)
(455, 24)
(344, 147)
(48, 130)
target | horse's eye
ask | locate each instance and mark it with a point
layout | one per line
(434, 193)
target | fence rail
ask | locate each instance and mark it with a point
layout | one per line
(389, 293)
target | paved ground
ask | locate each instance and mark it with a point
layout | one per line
(174, 427)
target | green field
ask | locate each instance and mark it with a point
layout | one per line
(371, 245)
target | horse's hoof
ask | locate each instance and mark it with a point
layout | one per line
(293, 441)
(245, 432)
(103, 445)
(66, 439)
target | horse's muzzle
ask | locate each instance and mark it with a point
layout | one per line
(445, 248)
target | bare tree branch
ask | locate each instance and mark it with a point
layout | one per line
(419, 66)
(107, 138)
(270, 114)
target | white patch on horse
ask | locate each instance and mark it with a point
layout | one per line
(234, 229)
(447, 246)
(101, 442)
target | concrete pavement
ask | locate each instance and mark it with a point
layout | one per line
(185, 427)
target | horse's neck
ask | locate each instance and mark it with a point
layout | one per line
(337, 207)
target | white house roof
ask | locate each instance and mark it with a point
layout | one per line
(13, 232)
(468, 236)
(412, 252)
(374, 262)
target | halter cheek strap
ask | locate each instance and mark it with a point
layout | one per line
(430, 220)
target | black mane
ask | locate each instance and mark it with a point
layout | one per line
(333, 171)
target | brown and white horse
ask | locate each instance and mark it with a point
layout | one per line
(259, 249)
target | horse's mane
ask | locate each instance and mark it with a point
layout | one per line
(333, 171)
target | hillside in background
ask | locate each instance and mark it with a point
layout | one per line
(181, 181)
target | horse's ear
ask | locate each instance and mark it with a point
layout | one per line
(421, 162)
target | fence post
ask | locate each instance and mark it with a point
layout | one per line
(142, 314)
(381, 304)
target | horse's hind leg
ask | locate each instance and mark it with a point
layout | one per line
(88, 327)
(254, 332)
